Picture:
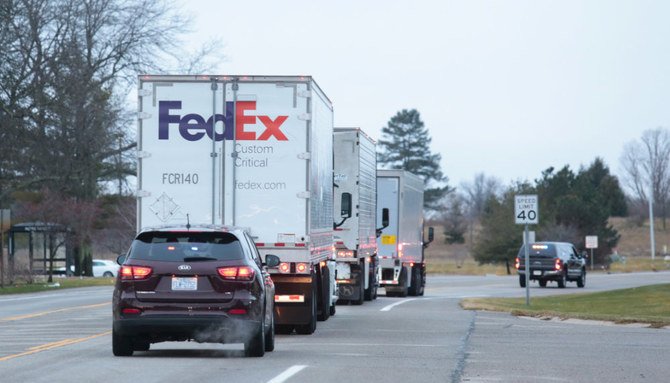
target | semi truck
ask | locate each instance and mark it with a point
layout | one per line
(355, 190)
(400, 247)
(252, 152)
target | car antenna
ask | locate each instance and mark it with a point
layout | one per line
(188, 223)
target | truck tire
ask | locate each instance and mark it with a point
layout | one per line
(309, 328)
(371, 291)
(562, 281)
(403, 282)
(422, 280)
(581, 282)
(361, 287)
(324, 293)
(414, 282)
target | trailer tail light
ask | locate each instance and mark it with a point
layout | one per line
(345, 253)
(559, 264)
(236, 273)
(400, 250)
(517, 263)
(302, 268)
(135, 272)
(284, 267)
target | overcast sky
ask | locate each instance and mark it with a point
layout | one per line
(507, 88)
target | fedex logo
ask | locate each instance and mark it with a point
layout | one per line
(193, 126)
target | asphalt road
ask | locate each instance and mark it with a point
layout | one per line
(65, 336)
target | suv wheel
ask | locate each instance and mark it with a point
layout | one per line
(121, 345)
(581, 282)
(270, 335)
(562, 281)
(522, 280)
(256, 345)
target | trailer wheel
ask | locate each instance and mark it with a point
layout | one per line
(309, 328)
(371, 291)
(414, 282)
(324, 293)
(283, 329)
(361, 288)
(403, 282)
(422, 280)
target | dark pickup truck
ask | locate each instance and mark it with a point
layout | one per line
(552, 261)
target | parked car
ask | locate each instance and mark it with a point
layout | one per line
(206, 284)
(552, 261)
(105, 268)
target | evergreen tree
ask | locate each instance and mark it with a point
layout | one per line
(405, 144)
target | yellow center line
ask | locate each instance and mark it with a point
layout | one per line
(52, 345)
(27, 316)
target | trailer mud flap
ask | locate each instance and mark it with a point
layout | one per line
(293, 299)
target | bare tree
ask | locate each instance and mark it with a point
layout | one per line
(476, 195)
(646, 166)
(65, 69)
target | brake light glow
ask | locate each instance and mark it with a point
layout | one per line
(517, 263)
(239, 311)
(559, 264)
(236, 273)
(284, 267)
(131, 311)
(135, 272)
(301, 267)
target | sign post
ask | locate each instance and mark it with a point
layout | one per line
(591, 243)
(526, 212)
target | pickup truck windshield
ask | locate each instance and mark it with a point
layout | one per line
(539, 249)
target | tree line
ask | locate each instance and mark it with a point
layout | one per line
(67, 132)
(573, 204)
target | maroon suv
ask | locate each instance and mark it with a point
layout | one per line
(206, 284)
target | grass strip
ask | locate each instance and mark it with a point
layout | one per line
(59, 284)
(647, 304)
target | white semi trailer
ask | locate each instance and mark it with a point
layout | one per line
(249, 151)
(402, 268)
(355, 191)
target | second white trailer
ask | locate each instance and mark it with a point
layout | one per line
(355, 192)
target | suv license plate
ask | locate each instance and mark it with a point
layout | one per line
(184, 283)
(537, 272)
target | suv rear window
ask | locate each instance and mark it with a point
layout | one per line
(539, 249)
(186, 246)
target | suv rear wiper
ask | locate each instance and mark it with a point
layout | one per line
(196, 259)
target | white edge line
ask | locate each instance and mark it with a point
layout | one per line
(289, 372)
(389, 307)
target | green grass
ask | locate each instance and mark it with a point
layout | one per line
(647, 304)
(63, 283)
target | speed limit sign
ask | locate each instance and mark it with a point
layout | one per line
(526, 209)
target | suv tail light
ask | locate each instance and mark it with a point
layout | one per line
(559, 264)
(237, 273)
(517, 262)
(135, 272)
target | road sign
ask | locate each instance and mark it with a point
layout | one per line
(526, 209)
(591, 241)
